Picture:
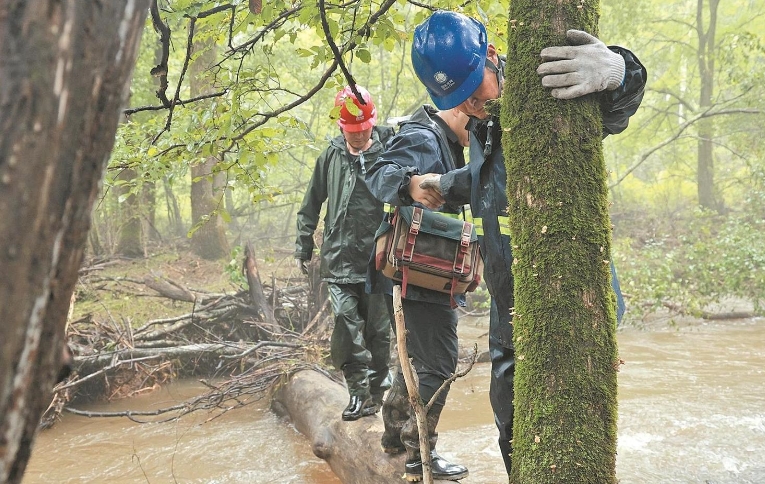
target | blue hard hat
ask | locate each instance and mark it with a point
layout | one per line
(448, 55)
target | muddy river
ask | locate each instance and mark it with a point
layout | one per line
(691, 410)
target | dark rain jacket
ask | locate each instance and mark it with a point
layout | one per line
(353, 214)
(482, 182)
(424, 144)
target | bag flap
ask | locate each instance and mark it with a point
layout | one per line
(435, 223)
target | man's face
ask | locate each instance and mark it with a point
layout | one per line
(359, 139)
(486, 91)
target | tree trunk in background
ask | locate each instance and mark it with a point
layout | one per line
(706, 57)
(65, 68)
(130, 242)
(565, 319)
(208, 239)
(149, 211)
(173, 211)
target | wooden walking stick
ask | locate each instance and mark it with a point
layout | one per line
(412, 386)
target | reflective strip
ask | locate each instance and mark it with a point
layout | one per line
(388, 208)
(504, 225)
(478, 224)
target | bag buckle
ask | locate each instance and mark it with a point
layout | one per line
(467, 231)
(416, 221)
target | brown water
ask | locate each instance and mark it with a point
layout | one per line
(691, 410)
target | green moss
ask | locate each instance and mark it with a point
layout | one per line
(564, 329)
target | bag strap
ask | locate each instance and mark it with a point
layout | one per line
(408, 252)
(411, 237)
(452, 301)
(459, 257)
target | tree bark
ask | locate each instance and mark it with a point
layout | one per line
(65, 68)
(259, 300)
(564, 323)
(173, 210)
(412, 385)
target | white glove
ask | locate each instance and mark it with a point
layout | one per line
(302, 265)
(585, 67)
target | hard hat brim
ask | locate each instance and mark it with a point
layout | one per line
(355, 128)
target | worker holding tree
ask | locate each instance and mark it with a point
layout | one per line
(360, 341)
(430, 141)
(452, 57)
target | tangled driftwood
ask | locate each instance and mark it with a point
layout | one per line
(243, 341)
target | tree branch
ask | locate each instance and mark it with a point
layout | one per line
(161, 69)
(706, 114)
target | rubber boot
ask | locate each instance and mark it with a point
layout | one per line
(442, 468)
(395, 411)
(375, 404)
(359, 407)
(377, 390)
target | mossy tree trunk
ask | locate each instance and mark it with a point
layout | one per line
(565, 320)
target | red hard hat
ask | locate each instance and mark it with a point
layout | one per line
(366, 115)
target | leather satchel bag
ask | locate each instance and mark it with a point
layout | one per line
(430, 250)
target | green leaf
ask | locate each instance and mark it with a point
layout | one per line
(364, 56)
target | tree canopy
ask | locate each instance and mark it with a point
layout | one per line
(267, 113)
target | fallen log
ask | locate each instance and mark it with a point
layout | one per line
(313, 404)
(169, 289)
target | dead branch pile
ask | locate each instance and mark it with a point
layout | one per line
(243, 342)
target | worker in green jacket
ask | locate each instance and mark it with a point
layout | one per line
(360, 342)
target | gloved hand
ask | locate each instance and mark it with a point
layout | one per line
(302, 265)
(582, 68)
(426, 189)
(431, 182)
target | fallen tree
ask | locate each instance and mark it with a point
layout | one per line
(313, 403)
(246, 338)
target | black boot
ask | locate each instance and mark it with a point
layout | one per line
(442, 469)
(373, 406)
(358, 407)
(361, 407)
(395, 411)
